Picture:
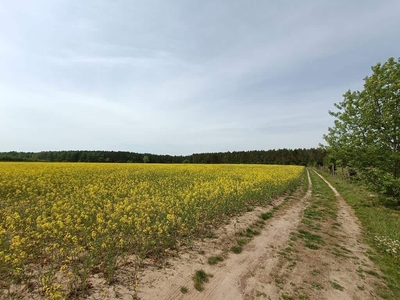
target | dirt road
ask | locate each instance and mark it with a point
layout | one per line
(310, 249)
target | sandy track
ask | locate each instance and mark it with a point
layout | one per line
(229, 278)
(338, 270)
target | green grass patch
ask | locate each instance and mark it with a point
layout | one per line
(259, 294)
(287, 297)
(213, 260)
(236, 249)
(317, 286)
(380, 218)
(251, 232)
(311, 245)
(267, 215)
(315, 272)
(311, 237)
(313, 214)
(199, 278)
(373, 273)
(336, 286)
(242, 242)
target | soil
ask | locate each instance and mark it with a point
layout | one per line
(275, 264)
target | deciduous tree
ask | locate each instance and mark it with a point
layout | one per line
(366, 134)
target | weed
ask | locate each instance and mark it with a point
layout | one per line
(317, 286)
(211, 235)
(313, 214)
(184, 290)
(288, 249)
(287, 297)
(278, 280)
(315, 272)
(251, 232)
(259, 223)
(336, 286)
(306, 222)
(311, 245)
(292, 265)
(311, 237)
(242, 242)
(373, 273)
(360, 273)
(199, 278)
(258, 294)
(213, 260)
(236, 249)
(267, 215)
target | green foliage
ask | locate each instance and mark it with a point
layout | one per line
(366, 134)
(213, 260)
(336, 286)
(304, 157)
(199, 278)
(381, 222)
(267, 215)
(236, 249)
(146, 159)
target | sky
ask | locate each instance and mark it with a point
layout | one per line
(182, 77)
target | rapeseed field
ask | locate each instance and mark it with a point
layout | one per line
(62, 222)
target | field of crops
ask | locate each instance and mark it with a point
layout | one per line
(61, 222)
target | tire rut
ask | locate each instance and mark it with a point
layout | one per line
(231, 277)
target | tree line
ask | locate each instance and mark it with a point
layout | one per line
(90, 156)
(304, 157)
(366, 135)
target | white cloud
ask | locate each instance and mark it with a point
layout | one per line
(182, 77)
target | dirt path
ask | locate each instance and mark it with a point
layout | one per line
(227, 279)
(310, 249)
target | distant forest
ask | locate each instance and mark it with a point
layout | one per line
(305, 157)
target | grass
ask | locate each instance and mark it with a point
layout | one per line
(259, 294)
(311, 245)
(213, 260)
(242, 242)
(236, 249)
(251, 232)
(267, 215)
(315, 272)
(380, 217)
(310, 237)
(287, 297)
(317, 286)
(336, 286)
(199, 278)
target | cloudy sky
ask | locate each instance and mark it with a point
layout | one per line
(180, 77)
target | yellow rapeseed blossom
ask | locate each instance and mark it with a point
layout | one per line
(61, 214)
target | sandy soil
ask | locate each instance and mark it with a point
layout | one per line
(274, 265)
